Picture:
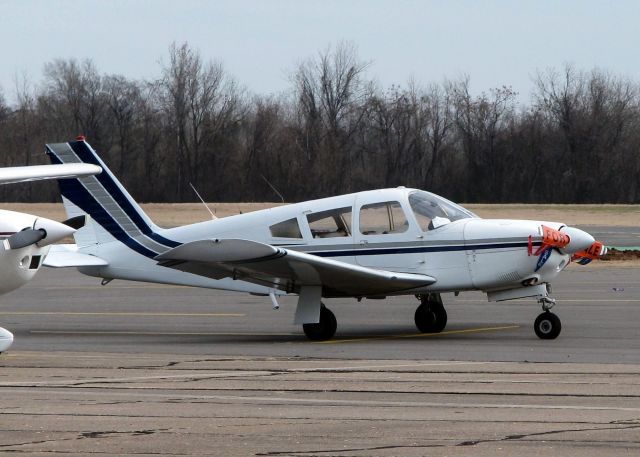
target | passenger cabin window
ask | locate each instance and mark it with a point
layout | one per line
(382, 218)
(330, 224)
(286, 229)
(432, 211)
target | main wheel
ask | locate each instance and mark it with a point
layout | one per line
(547, 326)
(323, 330)
(431, 317)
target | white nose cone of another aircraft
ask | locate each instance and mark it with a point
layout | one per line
(6, 339)
(579, 240)
(55, 231)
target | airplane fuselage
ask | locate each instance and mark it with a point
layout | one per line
(378, 229)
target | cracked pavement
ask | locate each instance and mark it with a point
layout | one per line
(230, 393)
(185, 405)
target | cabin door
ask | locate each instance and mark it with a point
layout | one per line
(385, 235)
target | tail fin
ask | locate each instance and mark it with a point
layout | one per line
(107, 202)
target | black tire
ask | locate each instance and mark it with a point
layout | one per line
(431, 317)
(323, 330)
(547, 326)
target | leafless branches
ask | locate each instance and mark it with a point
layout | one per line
(334, 131)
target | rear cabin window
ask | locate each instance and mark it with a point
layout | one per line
(286, 229)
(330, 224)
(382, 219)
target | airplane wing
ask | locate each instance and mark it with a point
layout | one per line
(10, 175)
(285, 269)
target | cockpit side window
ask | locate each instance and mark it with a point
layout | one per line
(286, 229)
(382, 219)
(331, 223)
(429, 209)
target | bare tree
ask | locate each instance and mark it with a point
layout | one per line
(330, 94)
(436, 106)
(201, 101)
(595, 113)
(481, 122)
(73, 96)
(123, 100)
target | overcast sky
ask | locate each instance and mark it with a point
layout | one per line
(259, 42)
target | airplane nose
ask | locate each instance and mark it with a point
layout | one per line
(6, 339)
(579, 240)
(53, 231)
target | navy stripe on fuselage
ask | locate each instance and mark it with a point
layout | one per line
(418, 249)
(86, 155)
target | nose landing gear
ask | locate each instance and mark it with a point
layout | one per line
(547, 325)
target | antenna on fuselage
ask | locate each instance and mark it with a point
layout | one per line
(273, 188)
(213, 216)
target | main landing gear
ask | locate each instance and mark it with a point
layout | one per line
(323, 330)
(547, 325)
(430, 316)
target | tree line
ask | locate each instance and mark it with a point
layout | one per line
(333, 131)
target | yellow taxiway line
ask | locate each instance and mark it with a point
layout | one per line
(420, 335)
(561, 300)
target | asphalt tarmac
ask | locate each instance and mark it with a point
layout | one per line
(158, 370)
(621, 237)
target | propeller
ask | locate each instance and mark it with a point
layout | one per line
(44, 232)
(25, 237)
(594, 251)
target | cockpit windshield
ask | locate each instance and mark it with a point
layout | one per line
(433, 211)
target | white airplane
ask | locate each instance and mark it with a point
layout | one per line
(26, 239)
(364, 245)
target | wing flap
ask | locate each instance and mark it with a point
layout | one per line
(286, 269)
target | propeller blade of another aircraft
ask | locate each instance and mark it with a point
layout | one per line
(25, 238)
(76, 222)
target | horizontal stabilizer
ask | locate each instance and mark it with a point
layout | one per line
(67, 255)
(286, 269)
(11, 175)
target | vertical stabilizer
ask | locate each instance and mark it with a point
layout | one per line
(115, 214)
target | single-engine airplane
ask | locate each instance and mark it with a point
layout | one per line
(363, 245)
(26, 239)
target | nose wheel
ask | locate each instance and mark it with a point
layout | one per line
(547, 326)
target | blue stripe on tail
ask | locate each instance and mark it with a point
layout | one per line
(74, 191)
(108, 181)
